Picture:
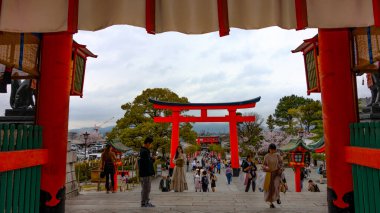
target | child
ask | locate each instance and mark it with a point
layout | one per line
(164, 184)
(229, 174)
(197, 181)
(204, 181)
(123, 181)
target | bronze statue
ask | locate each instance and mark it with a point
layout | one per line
(373, 83)
(21, 95)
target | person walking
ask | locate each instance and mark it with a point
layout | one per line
(146, 171)
(250, 169)
(218, 165)
(320, 173)
(187, 165)
(179, 176)
(272, 165)
(204, 181)
(228, 174)
(108, 167)
(213, 179)
(197, 181)
(194, 164)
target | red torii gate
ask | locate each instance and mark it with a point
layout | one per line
(231, 118)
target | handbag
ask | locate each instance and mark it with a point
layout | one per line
(102, 174)
(249, 175)
(283, 187)
(267, 181)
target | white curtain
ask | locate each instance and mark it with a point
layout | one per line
(186, 16)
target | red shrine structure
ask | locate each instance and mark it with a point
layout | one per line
(232, 118)
(204, 141)
(346, 139)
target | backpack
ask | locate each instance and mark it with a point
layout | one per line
(204, 180)
(244, 165)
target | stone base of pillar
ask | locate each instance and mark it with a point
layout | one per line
(236, 172)
(171, 171)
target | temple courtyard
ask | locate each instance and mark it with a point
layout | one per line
(227, 198)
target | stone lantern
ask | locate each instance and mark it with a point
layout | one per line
(299, 156)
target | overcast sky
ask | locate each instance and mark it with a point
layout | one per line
(203, 68)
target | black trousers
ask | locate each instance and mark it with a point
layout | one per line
(253, 181)
(204, 188)
(108, 176)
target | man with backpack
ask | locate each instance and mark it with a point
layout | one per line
(204, 181)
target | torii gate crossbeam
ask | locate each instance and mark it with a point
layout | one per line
(231, 118)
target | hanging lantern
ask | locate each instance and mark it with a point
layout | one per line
(366, 49)
(79, 58)
(309, 48)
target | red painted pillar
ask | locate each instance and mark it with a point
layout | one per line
(115, 185)
(297, 178)
(338, 88)
(234, 142)
(53, 114)
(175, 136)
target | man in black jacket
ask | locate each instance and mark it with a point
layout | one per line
(146, 171)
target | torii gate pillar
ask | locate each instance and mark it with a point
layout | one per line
(175, 137)
(234, 142)
(231, 118)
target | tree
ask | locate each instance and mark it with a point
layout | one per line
(216, 148)
(283, 118)
(193, 148)
(187, 134)
(310, 113)
(251, 132)
(138, 123)
(270, 122)
(307, 115)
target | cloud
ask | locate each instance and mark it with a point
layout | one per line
(204, 68)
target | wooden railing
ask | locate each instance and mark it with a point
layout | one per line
(364, 154)
(21, 158)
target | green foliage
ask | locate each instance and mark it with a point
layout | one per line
(251, 132)
(285, 118)
(187, 134)
(138, 123)
(318, 156)
(84, 169)
(192, 149)
(215, 148)
(317, 130)
(270, 122)
(310, 112)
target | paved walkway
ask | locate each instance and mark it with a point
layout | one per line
(227, 198)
